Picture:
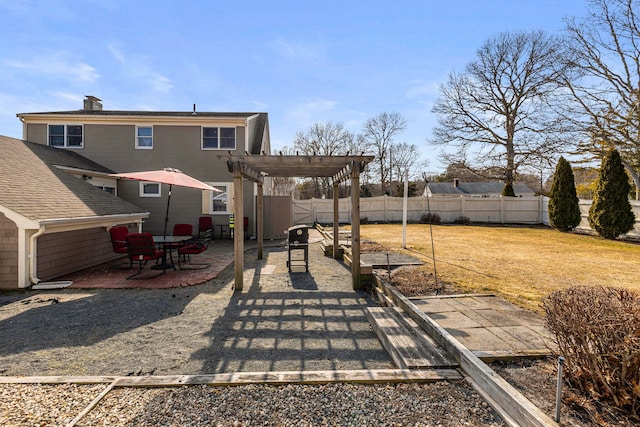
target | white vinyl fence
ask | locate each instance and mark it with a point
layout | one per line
(584, 210)
(490, 210)
(500, 210)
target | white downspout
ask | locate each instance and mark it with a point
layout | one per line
(33, 258)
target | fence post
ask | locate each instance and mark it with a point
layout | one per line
(463, 206)
(314, 210)
(385, 208)
(541, 198)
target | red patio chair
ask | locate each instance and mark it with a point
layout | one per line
(141, 248)
(119, 243)
(205, 227)
(185, 252)
(183, 230)
(179, 230)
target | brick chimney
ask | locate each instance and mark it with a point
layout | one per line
(456, 182)
(91, 103)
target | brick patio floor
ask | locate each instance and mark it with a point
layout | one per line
(219, 254)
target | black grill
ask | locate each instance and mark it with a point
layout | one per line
(298, 240)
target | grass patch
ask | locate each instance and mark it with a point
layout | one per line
(414, 281)
(367, 246)
(522, 264)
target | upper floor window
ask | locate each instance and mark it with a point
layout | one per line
(218, 138)
(144, 137)
(149, 189)
(65, 136)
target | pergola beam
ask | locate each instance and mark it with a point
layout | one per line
(245, 172)
(343, 175)
(254, 167)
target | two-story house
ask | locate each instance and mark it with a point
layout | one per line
(131, 141)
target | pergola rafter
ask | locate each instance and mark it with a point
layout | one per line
(255, 167)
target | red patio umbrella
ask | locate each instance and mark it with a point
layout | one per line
(168, 176)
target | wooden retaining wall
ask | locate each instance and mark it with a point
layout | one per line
(512, 406)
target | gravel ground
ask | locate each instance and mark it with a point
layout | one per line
(280, 321)
(44, 405)
(435, 404)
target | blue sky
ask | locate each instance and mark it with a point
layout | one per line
(300, 61)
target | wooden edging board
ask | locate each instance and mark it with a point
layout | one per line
(361, 376)
(514, 408)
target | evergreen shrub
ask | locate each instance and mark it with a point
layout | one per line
(610, 214)
(564, 208)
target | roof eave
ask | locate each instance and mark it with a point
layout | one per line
(135, 117)
(80, 223)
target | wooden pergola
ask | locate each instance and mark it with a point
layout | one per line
(255, 167)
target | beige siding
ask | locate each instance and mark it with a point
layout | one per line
(8, 254)
(37, 133)
(64, 253)
(178, 147)
(111, 146)
(173, 146)
(248, 207)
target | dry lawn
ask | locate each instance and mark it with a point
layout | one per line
(522, 264)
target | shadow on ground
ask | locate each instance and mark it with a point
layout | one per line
(280, 321)
(294, 320)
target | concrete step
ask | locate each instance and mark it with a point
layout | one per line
(407, 344)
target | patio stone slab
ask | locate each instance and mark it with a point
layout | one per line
(488, 324)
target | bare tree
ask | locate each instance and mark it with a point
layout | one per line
(605, 48)
(377, 136)
(465, 173)
(503, 111)
(282, 185)
(406, 157)
(325, 139)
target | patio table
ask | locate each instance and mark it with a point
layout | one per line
(168, 243)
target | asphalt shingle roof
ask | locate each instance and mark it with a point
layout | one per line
(476, 188)
(32, 185)
(443, 188)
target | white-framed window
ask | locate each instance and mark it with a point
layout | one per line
(144, 137)
(218, 138)
(68, 136)
(218, 202)
(149, 189)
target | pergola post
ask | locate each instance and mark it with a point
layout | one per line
(260, 220)
(336, 220)
(355, 225)
(238, 231)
